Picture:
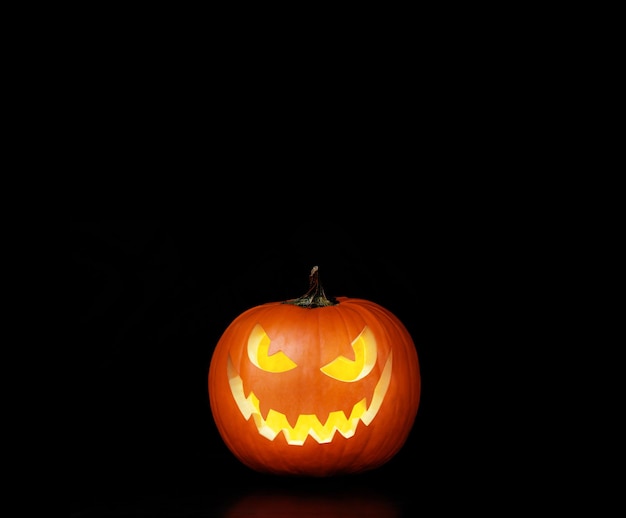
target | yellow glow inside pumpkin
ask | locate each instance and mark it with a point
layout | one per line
(341, 369)
(258, 347)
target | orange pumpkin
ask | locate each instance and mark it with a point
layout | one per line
(315, 386)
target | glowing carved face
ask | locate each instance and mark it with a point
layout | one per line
(342, 370)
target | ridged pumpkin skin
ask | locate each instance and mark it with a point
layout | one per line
(272, 408)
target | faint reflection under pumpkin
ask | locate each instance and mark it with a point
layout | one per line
(303, 504)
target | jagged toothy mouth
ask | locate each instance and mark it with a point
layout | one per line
(308, 424)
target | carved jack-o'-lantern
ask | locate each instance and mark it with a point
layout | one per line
(315, 386)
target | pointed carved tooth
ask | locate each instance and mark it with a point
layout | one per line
(308, 424)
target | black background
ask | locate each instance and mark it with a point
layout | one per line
(152, 298)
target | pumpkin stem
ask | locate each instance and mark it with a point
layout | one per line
(315, 297)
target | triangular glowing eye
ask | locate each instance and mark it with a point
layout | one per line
(258, 348)
(343, 369)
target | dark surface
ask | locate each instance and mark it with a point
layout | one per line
(152, 299)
